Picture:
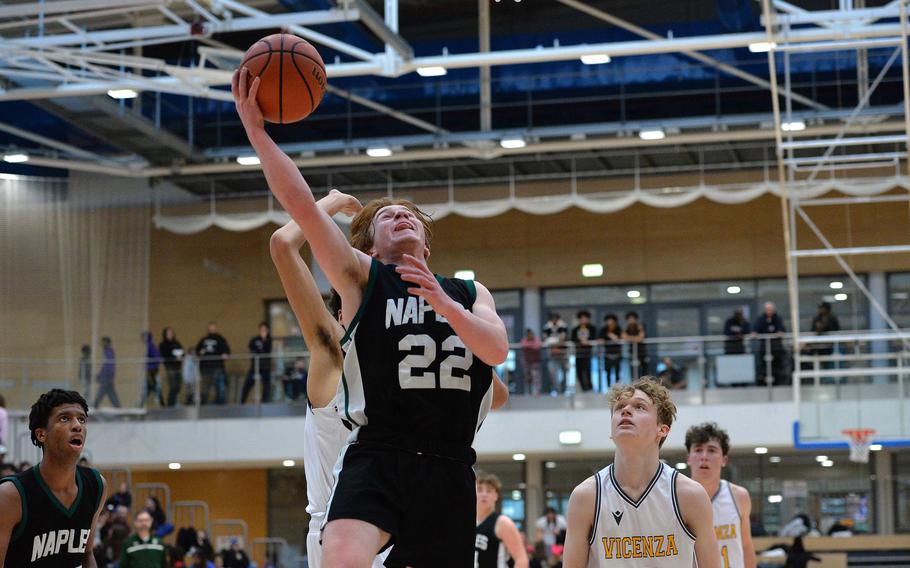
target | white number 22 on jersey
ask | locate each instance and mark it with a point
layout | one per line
(414, 370)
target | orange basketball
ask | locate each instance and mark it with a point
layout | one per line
(291, 77)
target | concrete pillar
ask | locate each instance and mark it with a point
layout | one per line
(531, 306)
(535, 501)
(884, 492)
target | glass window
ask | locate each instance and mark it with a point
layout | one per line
(847, 302)
(899, 298)
(687, 291)
(902, 492)
(561, 477)
(512, 476)
(507, 299)
(281, 319)
(587, 296)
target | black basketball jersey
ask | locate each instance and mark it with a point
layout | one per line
(50, 535)
(489, 551)
(409, 381)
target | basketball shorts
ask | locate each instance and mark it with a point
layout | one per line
(426, 503)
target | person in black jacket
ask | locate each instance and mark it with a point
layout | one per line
(213, 350)
(798, 556)
(770, 322)
(261, 348)
(172, 354)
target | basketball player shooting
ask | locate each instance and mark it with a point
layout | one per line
(324, 433)
(48, 512)
(417, 374)
(708, 446)
(638, 512)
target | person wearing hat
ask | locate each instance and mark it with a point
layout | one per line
(142, 549)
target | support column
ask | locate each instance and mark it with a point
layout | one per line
(884, 492)
(878, 287)
(534, 497)
(486, 97)
(530, 303)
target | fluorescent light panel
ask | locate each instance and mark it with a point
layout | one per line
(734, 289)
(595, 59)
(761, 450)
(431, 71)
(592, 270)
(795, 126)
(17, 158)
(760, 47)
(122, 94)
(512, 143)
(570, 437)
(655, 134)
(379, 152)
(248, 160)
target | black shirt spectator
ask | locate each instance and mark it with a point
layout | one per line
(770, 322)
(172, 355)
(735, 329)
(212, 350)
(636, 334)
(261, 348)
(611, 335)
(582, 334)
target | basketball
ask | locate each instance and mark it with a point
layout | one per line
(291, 77)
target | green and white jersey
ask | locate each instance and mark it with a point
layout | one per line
(409, 381)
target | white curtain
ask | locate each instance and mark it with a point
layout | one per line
(74, 258)
(606, 202)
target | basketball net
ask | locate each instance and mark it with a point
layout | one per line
(859, 439)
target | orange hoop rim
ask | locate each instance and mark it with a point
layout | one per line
(859, 435)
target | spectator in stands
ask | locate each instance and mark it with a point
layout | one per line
(122, 498)
(736, 328)
(113, 535)
(295, 380)
(235, 557)
(213, 350)
(4, 424)
(555, 332)
(6, 469)
(582, 335)
(549, 527)
(143, 549)
(172, 354)
(204, 546)
(153, 506)
(261, 348)
(85, 372)
(24, 466)
(611, 335)
(635, 334)
(770, 322)
(670, 375)
(825, 322)
(799, 525)
(106, 375)
(152, 363)
(530, 361)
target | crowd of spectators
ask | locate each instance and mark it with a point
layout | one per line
(544, 362)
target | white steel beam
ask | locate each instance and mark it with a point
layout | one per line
(375, 22)
(701, 57)
(854, 141)
(69, 6)
(486, 93)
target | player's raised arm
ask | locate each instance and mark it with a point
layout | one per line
(320, 329)
(580, 524)
(346, 268)
(699, 518)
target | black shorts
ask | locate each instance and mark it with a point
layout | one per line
(427, 503)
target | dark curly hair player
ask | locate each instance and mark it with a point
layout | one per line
(48, 512)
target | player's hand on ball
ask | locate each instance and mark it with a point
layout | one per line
(417, 272)
(244, 92)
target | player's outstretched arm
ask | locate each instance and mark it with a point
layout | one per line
(507, 532)
(347, 269)
(480, 328)
(695, 506)
(88, 561)
(320, 329)
(10, 515)
(744, 505)
(580, 523)
(500, 392)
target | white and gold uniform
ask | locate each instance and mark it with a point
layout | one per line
(645, 533)
(728, 527)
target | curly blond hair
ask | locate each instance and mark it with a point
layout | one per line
(659, 395)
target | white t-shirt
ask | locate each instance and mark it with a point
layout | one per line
(551, 530)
